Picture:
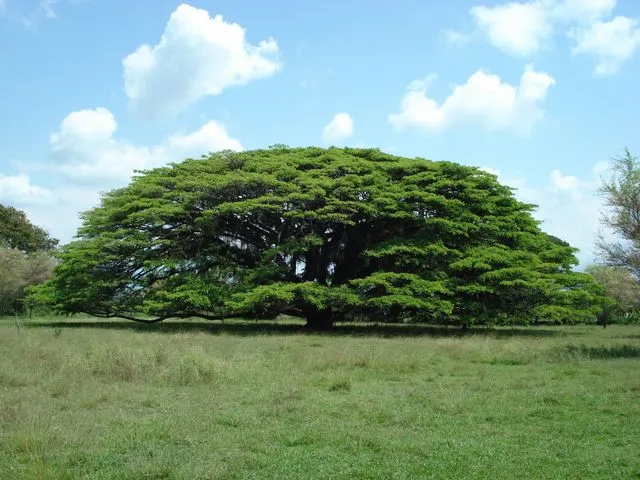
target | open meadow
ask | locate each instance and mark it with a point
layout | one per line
(83, 398)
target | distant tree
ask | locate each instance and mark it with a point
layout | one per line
(16, 231)
(621, 286)
(25, 258)
(621, 195)
(18, 272)
(325, 234)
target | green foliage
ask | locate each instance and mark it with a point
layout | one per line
(326, 234)
(16, 231)
(18, 272)
(619, 284)
(25, 260)
(623, 288)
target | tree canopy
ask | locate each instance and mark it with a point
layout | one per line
(325, 234)
(16, 231)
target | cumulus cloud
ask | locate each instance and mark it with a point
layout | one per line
(61, 215)
(515, 28)
(196, 56)
(563, 182)
(338, 129)
(39, 203)
(526, 28)
(86, 150)
(612, 43)
(211, 136)
(84, 128)
(18, 190)
(483, 99)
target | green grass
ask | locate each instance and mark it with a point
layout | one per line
(116, 400)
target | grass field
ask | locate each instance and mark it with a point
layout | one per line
(116, 400)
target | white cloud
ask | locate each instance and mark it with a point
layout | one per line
(86, 150)
(612, 42)
(18, 190)
(526, 28)
(569, 207)
(340, 128)
(515, 28)
(84, 127)
(563, 182)
(453, 38)
(580, 11)
(211, 136)
(484, 99)
(61, 216)
(197, 56)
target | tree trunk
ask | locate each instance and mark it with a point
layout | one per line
(319, 319)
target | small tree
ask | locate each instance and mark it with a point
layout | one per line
(621, 286)
(621, 194)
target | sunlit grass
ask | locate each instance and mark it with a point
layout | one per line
(188, 400)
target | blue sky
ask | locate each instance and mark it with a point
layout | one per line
(541, 92)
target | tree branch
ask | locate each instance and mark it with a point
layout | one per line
(159, 319)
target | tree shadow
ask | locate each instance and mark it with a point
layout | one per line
(249, 328)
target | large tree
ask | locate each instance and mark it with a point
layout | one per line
(325, 234)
